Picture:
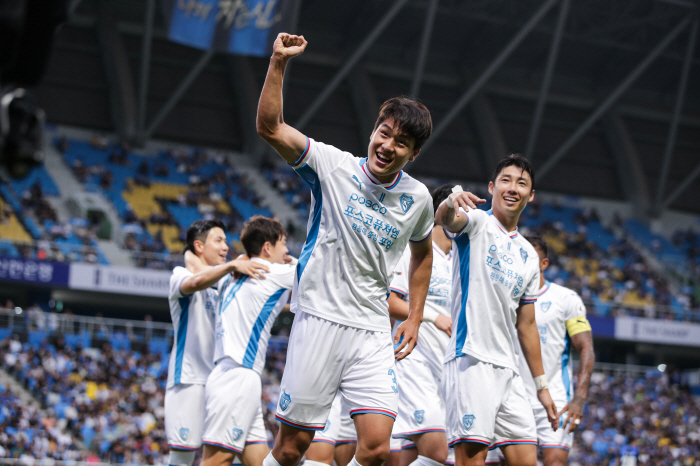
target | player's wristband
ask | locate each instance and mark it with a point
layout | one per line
(294, 260)
(455, 189)
(541, 382)
(430, 315)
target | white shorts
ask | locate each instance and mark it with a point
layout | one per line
(325, 357)
(184, 416)
(233, 412)
(486, 404)
(421, 403)
(546, 436)
(340, 428)
(450, 461)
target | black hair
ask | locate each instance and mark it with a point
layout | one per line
(517, 160)
(539, 243)
(199, 230)
(257, 231)
(412, 118)
(440, 194)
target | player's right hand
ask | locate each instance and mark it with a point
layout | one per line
(248, 267)
(466, 201)
(546, 400)
(444, 323)
(287, 45)
(406, 338)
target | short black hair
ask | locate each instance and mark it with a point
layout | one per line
(257, 231)
(199, 230)
(440, 194)
(539, 243)
(412, 118)
(517, 160)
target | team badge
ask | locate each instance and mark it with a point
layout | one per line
(236, 433)
(468, 421)
(285, 399)
(184, 433)
(523, 254)
(418, 415)
(406, 202)
(546, 306)
(328, 424)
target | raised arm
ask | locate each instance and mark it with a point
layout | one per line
(448, 216)
(530, 344)
(287, 141)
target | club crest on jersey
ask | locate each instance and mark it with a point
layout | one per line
(328, 425)
(285, 399)
(184, 433)
(406, 202)
(468, 421)
(236, 433)
(523, 254)
(546, 306)
(418, 415)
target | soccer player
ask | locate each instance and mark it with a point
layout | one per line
(494, 288)
(192, 303)
(363, 213)
(421, 418)
(337, 441)
(245, 313)
(561, 321)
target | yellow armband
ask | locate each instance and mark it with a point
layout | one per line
(577, 325)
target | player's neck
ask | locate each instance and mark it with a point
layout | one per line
(442, 241)
(542, 280)
(388, 178)
(509, 220)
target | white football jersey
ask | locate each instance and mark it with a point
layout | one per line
(493, 272)
(246, 311)
(432, 342)
(555, 306)
(357, 230)
(192, 357)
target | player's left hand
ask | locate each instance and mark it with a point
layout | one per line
(575, 409)
(192, 262)
(546, 400)
(406, 338)
(444, 323)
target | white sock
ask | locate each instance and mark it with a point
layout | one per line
(424, 461)
(314, 463)
(270, 460)
(180, 458)
(353, 462)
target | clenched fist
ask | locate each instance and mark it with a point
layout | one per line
(287, 45)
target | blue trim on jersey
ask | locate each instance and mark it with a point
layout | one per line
(181, 336)
(303, 154)
(311, 178)
(251, 351)
(223, 303)
(463, 249)
(389, 188)
(565, 357)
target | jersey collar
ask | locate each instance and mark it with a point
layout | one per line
(500, 226)
(388, 186)
(438, 250)
(544, 289)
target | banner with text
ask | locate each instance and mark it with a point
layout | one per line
(124, 280)
(243, 27)
(34, 272)
(657, 331)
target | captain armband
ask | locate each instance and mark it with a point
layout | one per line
(577, 325)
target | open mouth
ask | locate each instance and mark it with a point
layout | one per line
(510, 200)
(382, 160)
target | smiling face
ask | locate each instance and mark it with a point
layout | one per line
(389, 151)
(213, 249)
(511, 190)
(276, 253)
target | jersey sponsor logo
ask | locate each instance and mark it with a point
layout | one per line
(418, 415)
(546, 306)
(468, 421)
(381, 198)
(523, 255)
(406, 202)
(184, 433)
(236, 433)
(375, 206)
(285, 399)
(328, 425)
(354, 177)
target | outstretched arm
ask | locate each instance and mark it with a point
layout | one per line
(287, 141)
(583, 343)
(448, 216)
(208, 276)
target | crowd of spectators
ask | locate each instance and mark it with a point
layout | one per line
(688, 242)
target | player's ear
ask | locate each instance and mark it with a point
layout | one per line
(532, 195)
(545, 264)
(490, 187)
(415, 154)
(198, 247)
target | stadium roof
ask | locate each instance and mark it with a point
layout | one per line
(602, 94)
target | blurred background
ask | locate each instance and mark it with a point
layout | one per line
(123, 121)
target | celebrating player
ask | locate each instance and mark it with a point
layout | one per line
(363, 213)
(561, 321)
(494, 288)
(192, 302)
(421, 417)
(245, 314)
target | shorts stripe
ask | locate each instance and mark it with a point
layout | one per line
(343, 442)
(408, 446)
(182, 447)
(298, 426)
(513, 442)
(552, 445)
(255, 442)
(324, 441)
(416, 432)
(395, 451)
(225, 447)
(373, 411)
(472, 440)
